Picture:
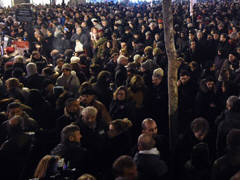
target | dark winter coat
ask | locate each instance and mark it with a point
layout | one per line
(150, 166)
(226, 166)
(74, 155)
(122, 109)
(231, 121)
(120, 75)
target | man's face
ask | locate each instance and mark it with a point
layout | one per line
(36, 56)
(191, 36)
(184, 79)
(156, 81)
(231, 58)
(200, 135)
(84, 24)
(87, 99)
(130, 173)
(77, 136)
(156, 37)
(78, 30)
(150, 128)
(104, 23)
(199, 35)
(193, 45)
(215, 36)
(222, 38)
(123, 45)
(14, 111)
(66, 72)
(210, 85)
(90, 121)
(73, 107)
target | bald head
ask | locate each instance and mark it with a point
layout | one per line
(149, 126)
(145, 142)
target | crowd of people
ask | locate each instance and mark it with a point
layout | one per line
(88, 99)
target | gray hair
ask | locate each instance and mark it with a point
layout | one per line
(89, 111)
(31, 69)
(231, 101)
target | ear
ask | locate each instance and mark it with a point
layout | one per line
(71, 138)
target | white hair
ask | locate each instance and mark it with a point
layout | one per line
(89, 111)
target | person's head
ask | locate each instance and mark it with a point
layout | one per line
(157, 76)
(125, 167)
(104, 78)
(87, 93)
(148, 51)
(13, 109)
(78, 30)
(137, 58)
(223, 37)
(232, 140)
(47, 166)
(136, 82)
(200, 128)
(120, 93)
(149, 126)
(215, 36)
(13, 83)
(49, 32)
(231, 57)
(104, 23)
(193, 45)
(210, 83)
(89, 116)
(66, 69)
(19, 59)
(232, 104)
(16, 124)
(71, 133)
(31, 69)
(72, 106)
(157, 37)
(147, 66)
(184, 77)
(191, 36)
(86, 177)
(146, 142)
(123, 60)
(84, 24)
(199, 35)
(119, 126)
(193, 65)
(36, 55)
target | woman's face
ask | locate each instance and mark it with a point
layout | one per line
(121, 95)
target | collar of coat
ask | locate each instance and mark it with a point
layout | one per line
(152, 151)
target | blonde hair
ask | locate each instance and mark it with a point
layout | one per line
(89, 111)
(13, 83)
(86, 177)
(44, 165)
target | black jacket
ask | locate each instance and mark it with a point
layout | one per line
(226, 166)
(74, 155)
(150, 166)
(231, 121)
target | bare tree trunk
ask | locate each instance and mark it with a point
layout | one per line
(173, 66)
